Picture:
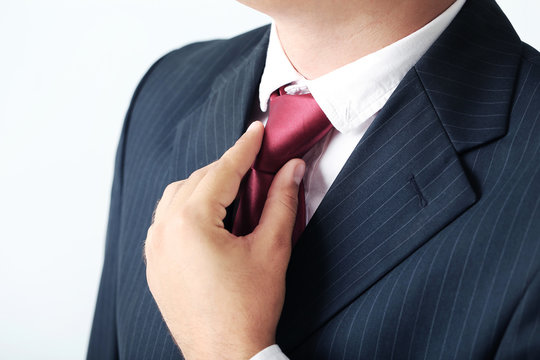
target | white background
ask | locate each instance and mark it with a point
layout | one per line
(67, 72)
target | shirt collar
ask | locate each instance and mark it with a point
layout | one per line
(278, 70)
(352, 94)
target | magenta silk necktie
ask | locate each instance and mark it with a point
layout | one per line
(295, 124)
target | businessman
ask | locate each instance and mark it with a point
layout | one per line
(384, 203)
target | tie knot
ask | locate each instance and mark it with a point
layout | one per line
(295, 124)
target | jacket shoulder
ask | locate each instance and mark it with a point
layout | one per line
(181, 79)
(178, 83)
(209, 57)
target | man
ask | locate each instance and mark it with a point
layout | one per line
(418, 234)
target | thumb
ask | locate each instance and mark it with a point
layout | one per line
(279, 213)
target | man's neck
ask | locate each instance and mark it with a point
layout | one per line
(317, 42)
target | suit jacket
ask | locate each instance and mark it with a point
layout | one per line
(426, 246)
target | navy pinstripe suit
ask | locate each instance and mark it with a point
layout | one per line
(427, 245)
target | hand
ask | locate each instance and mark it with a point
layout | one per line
(222, 295)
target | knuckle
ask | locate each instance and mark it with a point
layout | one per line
(195, 214)
(221, 211)
(186, 213)
(159, 236)
(288, 199)
(172, 188)
(226, 161)
(186, 217)
(146, 253)
(281, 246)
(197, 174)
(240, 142)
(289, 202)
(148, 249)
(153, 236)
(228, 165)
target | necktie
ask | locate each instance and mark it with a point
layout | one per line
(295, 124)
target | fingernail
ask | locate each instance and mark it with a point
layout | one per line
(299, 171)
(252, 126)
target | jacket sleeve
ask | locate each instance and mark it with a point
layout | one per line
(103, 344)
(521, 339)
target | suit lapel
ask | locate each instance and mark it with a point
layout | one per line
(404, 182)
(213, 126)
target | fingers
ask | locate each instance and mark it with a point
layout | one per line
(177, 192)
(190, 184)
(212, 188)
(221, 183)
(279, 213)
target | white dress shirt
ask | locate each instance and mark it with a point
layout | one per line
(351, 97)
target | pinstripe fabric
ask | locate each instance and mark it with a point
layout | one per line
(426, 246)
